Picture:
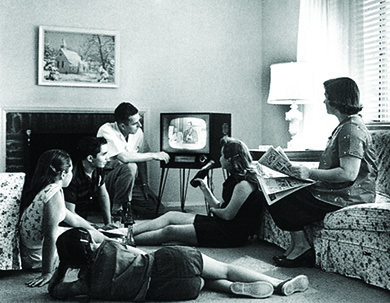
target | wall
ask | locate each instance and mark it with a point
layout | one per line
(176, 55)
(280, 33)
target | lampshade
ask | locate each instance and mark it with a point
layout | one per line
(290, 83)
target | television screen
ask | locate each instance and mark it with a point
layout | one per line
(193, 139)
(187, 133)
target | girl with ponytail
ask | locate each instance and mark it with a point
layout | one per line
(43, 208)
(232, 219)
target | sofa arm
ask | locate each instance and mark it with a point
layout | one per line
(11, 187)
(366, 217)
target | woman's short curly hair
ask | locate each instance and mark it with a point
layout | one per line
(343, 94)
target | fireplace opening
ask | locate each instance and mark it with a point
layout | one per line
(41, 142)
(28, 135)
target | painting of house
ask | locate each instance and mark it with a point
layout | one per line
(78, 57)
(70, 62)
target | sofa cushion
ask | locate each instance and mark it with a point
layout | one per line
(11, 186)
(366, 217)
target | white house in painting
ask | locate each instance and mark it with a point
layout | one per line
(70, 62)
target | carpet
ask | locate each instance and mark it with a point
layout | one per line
(257, 255)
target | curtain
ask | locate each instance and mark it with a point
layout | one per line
(327, 36)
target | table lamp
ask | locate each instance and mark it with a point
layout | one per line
(291, 83)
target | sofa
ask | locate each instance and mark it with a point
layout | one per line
(353, 241)
(11, 187)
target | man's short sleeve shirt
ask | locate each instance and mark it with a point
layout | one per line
(117, 142)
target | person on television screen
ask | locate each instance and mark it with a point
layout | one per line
(190, 135)
(232, 220)
(127, 154)
(177, 136)
(87, 188)
(171, 273)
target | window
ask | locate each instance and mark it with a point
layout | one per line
(373, 18)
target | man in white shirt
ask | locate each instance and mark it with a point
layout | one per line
(126, 149)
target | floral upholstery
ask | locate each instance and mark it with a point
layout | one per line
(11, 186)
(366, 217)
(358, 254)
(273, 234)
(381, 141)
(353, 241)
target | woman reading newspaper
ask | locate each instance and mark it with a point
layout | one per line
(346, 174)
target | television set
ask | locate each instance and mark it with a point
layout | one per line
(193, 139)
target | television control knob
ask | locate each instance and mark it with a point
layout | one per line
(202, 158)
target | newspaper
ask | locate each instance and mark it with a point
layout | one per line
(275, 176)
(276, 159)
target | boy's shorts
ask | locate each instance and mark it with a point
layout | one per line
(176, 274)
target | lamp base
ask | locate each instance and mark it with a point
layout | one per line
(294, 117)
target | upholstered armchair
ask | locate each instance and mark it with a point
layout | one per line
(11, 186)
(353, 241)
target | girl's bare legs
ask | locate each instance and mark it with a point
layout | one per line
(291, 247)
(169, 218)
(170, 233)
(299, 244)
(221, 276)
(216, 270)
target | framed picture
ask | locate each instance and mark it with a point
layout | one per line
(78, 57)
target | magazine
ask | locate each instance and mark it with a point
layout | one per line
(275, 176)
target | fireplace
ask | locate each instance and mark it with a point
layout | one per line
(30, 132)
(28, 135)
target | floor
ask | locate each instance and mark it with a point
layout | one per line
(324, 287)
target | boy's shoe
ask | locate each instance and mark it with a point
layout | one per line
(254, 289)
(290, 286)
